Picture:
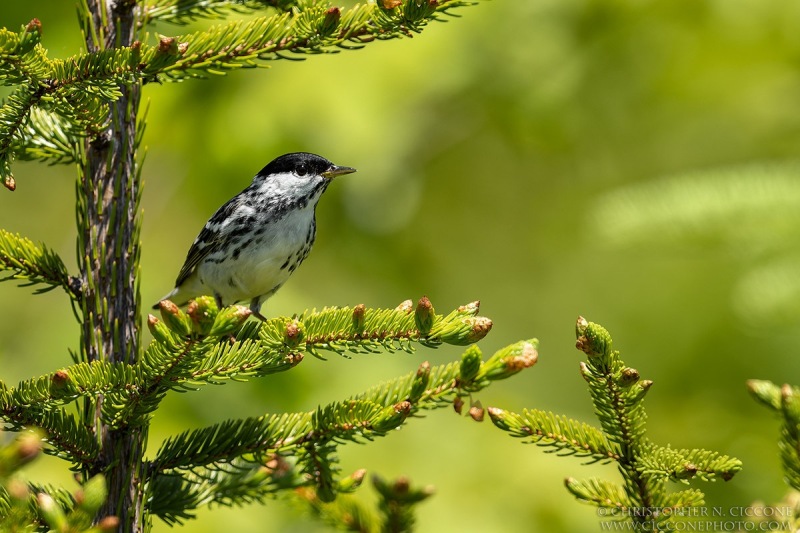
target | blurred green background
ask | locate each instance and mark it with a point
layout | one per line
(630, 161)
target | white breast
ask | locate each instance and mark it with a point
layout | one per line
(263, 264)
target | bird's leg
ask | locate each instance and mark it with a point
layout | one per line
(255, 307)
(218, 299)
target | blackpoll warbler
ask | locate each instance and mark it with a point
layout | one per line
(252, 244)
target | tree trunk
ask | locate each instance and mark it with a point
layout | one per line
(108, 241)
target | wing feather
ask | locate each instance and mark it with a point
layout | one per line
(211, 239)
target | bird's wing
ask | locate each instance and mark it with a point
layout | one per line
(206, 243)
(210, 240)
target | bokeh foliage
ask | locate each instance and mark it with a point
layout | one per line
(489, 155)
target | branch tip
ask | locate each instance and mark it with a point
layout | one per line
(424, 316)
(405, 306)
(476, 412)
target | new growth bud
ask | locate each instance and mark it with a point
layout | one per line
(392, 417)
(405, 306)
(60, 384)
(359, 318)
(400, 491)
(174, 318)
(511, 359)
(229, 320)
(353, 481)
(94, 494)
(30, 37)
(466, 331)
(481, 326)
(476, 412)
(293, 334)
(21, 451)
(424, 316)
(10, 183)
(640, 389)
(420, 383)
(108, 524)
(158, 329)
(471, 362)
(592, 339)
(628, 376)
(499, 418)
(526, 359)
(34, 26)
(59, 379)
(168, 45)
(331, 21)
(458, 404)
(470, 309)
(203, 312)
(51, 512)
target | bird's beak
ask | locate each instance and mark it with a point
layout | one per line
(337, 171)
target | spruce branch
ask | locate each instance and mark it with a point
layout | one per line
(397, 502)
(22, 58)
(341, 330)
(29, 506)
(175, 496)
(682, 465)
(345, 512)
(62, 100)
(186, 11)
(768, 393)
(362, 417)
(617, 393)
(785, 400)
(22, 259)
(47, 137)
(310, 28)
(566, 436)
(67, 384)
(310, 439)
(68, 439)
(598, 492)
(78, 89)
(198, 351)
(13, 115)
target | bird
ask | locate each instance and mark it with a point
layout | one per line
(253, 243)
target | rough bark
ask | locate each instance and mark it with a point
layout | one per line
(108, 241)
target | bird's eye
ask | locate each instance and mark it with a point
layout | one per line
(301, 170)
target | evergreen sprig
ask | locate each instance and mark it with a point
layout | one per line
(397, 500)
(186, 11)
(617, 394)
(68, 439)
(60, 100)
(784, 400)
(22, 58)
(308, 441)
(309, 28)
(25, 506)
(175, 497)
(199, 350)
(225, 463)
(564, 435)
(22, 259)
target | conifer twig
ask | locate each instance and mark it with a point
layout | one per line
(36, 265)
(617, 393)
